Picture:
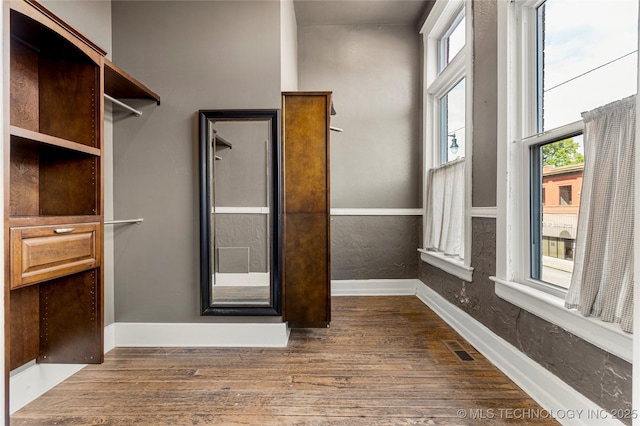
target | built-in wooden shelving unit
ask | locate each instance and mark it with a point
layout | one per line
(53, 168)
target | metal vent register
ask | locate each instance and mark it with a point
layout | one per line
(457, 349)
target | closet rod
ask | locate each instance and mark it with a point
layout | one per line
(115, 222)
(123, 105)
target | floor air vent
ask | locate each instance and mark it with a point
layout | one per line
(455, 347)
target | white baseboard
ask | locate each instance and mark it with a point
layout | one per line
(553, 394)
(34, 381)
(374, 287)
(109, 337)
(132, 334)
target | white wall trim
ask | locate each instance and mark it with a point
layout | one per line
(376, 212)
(553, 394)
(489, 212)
(109, 337)
(604, 335)
(264, 335)
(448, 264)
(32, 382)
(240, 210)
(250, 279)
(380, 287)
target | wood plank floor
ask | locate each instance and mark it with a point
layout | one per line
(382, 362)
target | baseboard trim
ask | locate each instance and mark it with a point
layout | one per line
(29, 384)
(553, 394)
(382, 287)
(134, 334)
(109, 337)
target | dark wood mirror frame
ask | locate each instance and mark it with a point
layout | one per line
(273, 117)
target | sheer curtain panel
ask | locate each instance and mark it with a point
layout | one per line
(444, 228)
(602, 281)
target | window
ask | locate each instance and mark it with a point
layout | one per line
(579, 63)
(447, 177)
(556, 59)
(565, 195)
(452, 114)
(451, 42)
(583, 59)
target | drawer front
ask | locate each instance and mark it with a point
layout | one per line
(45, 252)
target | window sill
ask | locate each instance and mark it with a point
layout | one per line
(447, 264)
(606, 336)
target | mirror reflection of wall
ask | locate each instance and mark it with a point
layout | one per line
(241, 212)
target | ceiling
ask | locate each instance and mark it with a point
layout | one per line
(360, 12)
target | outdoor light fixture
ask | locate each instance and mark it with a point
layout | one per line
(454, 143)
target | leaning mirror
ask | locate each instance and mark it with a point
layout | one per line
(240, 237)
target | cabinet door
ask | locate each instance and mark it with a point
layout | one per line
(307, 290)
(306, 238)
(306, 154)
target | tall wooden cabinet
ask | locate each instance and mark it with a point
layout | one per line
(306, 214)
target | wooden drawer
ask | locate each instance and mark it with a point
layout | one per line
(42, 253)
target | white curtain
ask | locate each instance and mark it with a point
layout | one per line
(444, 230)
(602, 281)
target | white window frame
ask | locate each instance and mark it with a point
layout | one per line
(437, 84)
(516, 115)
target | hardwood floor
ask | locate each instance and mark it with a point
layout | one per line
(382, 362)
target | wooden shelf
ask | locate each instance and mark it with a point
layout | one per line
(222, 142)
(30, 135)
(20, 221)
(119, 84)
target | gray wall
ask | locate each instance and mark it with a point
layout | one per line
(241, 174)
(245, 230)
(374, 247)
(196, 55)
(485, 105)
(598, 375)
(374, 74)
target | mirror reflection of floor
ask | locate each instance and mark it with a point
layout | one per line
(241, 295)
